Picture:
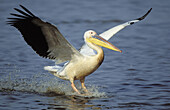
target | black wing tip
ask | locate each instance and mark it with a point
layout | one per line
(23, 15)
(21, 5)
(143, 17)
(25, 12)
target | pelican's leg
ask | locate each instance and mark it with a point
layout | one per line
(73, 86)
(83, 85)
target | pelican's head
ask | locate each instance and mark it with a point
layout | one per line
(91, 36)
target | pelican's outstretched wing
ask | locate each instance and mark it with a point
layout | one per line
(110, 33)
(42, 36)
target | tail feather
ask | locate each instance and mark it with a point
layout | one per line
(55, 70)
(52, 68)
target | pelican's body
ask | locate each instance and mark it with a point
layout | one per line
(86, 65)
(48, 42)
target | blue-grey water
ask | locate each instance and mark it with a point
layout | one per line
(137, 79)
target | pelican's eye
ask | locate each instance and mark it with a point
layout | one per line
(91, 32)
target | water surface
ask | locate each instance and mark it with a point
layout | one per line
(139, 78)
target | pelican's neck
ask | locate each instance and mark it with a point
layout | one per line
(99, 50)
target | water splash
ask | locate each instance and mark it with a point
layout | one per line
(43, 84)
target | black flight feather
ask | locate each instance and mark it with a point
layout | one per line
(31, 32)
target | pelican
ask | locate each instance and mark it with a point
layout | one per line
(47, 41)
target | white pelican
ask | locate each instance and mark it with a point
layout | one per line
(48, 42)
